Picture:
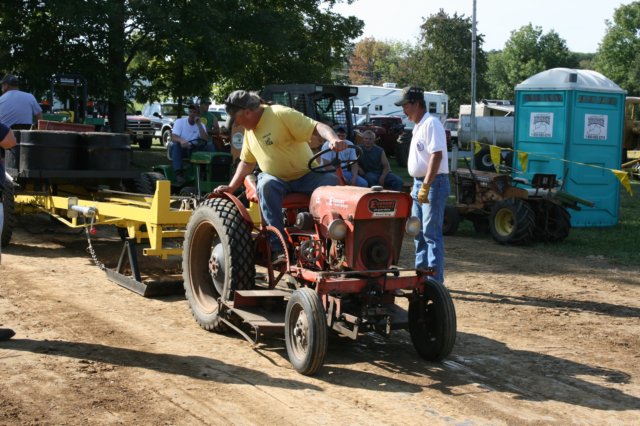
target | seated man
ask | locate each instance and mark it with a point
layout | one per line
(350, 176)
(276, 139)
(186, 131)
(374, 165)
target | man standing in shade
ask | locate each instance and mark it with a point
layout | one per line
(17, 109)
(7, 140)
(428, 165)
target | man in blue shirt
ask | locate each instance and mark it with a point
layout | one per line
(17, 109)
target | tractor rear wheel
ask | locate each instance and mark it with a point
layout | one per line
(146, 182)
(512, 221)
(553, 222)
(432, 322)
(217, 259)
(8, 203)
(451, 220)
(305, 331)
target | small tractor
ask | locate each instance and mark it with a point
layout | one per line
(493, 202)
(203, 171)
(341, 273)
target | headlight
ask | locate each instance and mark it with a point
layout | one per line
(413, 226)
(337, 229)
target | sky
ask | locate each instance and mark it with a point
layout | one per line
(581, 23)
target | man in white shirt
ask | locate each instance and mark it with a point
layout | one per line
(188, 134)
(429, 166)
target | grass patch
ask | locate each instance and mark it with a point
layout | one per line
(617, 244)
(145, 159)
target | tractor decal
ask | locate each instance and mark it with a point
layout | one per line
(382, 208)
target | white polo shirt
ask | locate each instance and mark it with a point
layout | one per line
(428, 137)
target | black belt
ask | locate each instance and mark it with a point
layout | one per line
(21, 126)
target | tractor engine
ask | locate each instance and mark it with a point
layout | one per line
(362, 227)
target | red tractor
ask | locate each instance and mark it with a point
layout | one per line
(344, 243)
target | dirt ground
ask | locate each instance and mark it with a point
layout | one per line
(541, 340)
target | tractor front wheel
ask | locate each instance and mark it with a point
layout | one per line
(217, 259)
(432, 322)
(305, 331)
(512, 221)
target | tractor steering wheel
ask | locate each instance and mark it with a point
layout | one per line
(198, 143)
(336, 163)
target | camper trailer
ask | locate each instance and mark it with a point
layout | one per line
(378, 100)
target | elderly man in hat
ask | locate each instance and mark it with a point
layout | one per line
(429, 167)
(277, 138)
(17, 109)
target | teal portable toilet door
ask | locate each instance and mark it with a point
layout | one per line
(595, 147)
(541, 131)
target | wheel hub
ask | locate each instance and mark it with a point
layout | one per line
(504, 222)
(301, 330)
(217, 267)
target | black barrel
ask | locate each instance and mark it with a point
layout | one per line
(106, 151)
(48, 150)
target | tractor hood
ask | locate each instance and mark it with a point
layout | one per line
(355, 203)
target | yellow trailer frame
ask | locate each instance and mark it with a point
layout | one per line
(128, 211)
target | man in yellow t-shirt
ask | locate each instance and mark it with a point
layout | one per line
(276, 139)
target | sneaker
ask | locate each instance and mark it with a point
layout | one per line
(6, 334)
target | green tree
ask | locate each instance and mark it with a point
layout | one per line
(442, 59)
(177, 48)
(618, 56)
(527, 52)
(375, 62)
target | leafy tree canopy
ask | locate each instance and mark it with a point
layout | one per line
(618, 56)
(172, 48)
(527, 52)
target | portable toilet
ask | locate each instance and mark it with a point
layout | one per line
(570, 122)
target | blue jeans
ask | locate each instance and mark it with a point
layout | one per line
(271, 192)
(359, 180)
(178, 153)
(430, 242)
(391, 181)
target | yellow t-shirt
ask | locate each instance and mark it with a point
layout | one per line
(279, 143)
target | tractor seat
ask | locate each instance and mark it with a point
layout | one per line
(294, 200)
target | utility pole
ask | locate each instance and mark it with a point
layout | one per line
(474, 130)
